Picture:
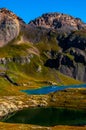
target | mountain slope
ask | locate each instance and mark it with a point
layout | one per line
(68, 43)
(34, 55)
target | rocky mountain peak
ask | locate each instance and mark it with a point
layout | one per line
(59, 21)
(6, 12)
(10, 26)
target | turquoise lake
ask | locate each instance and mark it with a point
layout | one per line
(49, 116)
(49, 89)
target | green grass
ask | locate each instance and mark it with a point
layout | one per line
(14, 50)
(27, 75)
(6, 88)
(71, 57)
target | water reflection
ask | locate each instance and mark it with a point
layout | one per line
(49, 117)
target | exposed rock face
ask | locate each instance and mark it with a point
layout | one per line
(10, 104)
(71, 38)
(75, 46)
(61, 22)
(50, 31)
(22, 60)
(10, 26)
(71, 60)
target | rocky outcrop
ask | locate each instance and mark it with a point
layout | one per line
(76, 39)
(58, 21)
(10, 26)
(19, 59)
(65, 99)
(62, 38)
(70, 33)
(10, 104)
(71, 63)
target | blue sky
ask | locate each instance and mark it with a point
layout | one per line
(30, 9)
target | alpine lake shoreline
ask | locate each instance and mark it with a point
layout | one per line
(50, 50)
(69, 101)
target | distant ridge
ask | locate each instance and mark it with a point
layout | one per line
(59, 21)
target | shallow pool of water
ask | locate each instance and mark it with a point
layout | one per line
(49, 89)
(48, 117)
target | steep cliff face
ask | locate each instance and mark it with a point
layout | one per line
(68, 34)
(52, 41)
(70, 59)
(10, 26)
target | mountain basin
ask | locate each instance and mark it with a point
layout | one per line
(50, 89)
(48, 116)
